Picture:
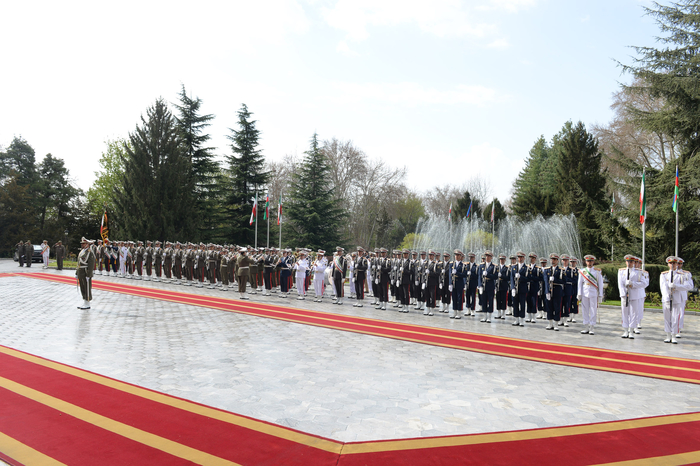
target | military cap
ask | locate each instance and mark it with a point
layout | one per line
(680, 260)
(471, 254)
(422, 253)
(321, 251)
(532, 254)
(431, 252)
(353, 254)
(630, 257)
(360, 248)
(543, 260)
(84, 240)
(414, 253)
(554, 256)
(488, 253)
(564, 257)
(377, 250)
(520, 254)
(573, 259)
(512, 256)
(589, 257)
(383, 250)
(460, 253)
(302, 252)
(501, 256)
(671, 259)
(446, 254)
(158, 242)
(405, 251)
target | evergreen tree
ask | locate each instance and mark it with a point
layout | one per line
(580, 184)
(154, 199)
(205, 171)
(19, 159)
(499, 211)
(246, 176)
(314, 216)
(533, 191)
(461, 207)
(671, 74)
(17, 216)
(53, 197)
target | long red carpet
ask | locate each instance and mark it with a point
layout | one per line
(51, 413)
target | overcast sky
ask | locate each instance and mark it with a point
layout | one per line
(450, 89)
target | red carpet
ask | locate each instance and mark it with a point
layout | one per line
(51, 413)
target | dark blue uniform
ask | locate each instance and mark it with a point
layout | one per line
(536, 280)
(470, 269)
(555, 281)
(488, 282)
(502, 287)
(520, 286)
(459, 275)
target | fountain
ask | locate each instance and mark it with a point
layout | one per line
(557, 234)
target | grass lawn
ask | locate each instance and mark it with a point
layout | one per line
(66, 264)
(618, 303)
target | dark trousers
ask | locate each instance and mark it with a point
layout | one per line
(531, 302)
(284, 281)
(457, 298)
(339, 282)
(405, 294)
(267, 277)
(168, 269)
(519, 304)
(502, 297)
(384, 290)
(445, 294)
(487, 297)
(554, 308)
(59, 263)
(375, 289)
(360, 285)
(566, 305)
(471, 298)
(431, 293)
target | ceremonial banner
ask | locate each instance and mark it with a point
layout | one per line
(253, 214)
(675, 193)
(642, 202)
(279, 211)
(104, 226)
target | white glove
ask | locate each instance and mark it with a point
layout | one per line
(485, 273)
(579, 297)
(450, 288)
(628, 284)
(551, 279)
(512, 292)
(374, 267)
(517, 275)
(481, 290)
(392, 282)
(454, 271)
(549, 297)
(440, 285)
(423, 286)
(600, 299)
(671, 286)
(499, 274)
(416, 282)
(376, 280)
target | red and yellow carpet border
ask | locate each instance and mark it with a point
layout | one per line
(656, 440)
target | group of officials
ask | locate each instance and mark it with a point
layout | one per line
(527, 288)
(25, 253)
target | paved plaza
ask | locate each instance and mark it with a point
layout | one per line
(336, 384)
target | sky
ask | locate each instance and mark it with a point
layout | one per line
(449, 89)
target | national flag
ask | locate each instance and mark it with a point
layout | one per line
(612, 205)
(449, 214)
(493, 209)
(469, 210)
(104, 226)
(675, 193)
(642, 201)
(253, 214)
(279, 211)
(266, 215)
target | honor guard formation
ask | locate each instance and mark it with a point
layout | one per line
(553, 290)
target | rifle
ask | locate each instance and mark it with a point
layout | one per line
(627, 290)
(671, 300)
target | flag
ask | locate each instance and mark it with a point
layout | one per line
(253, 214)
(449, 214)
(279, 211)
(612, 206)
(493, 209)
(104, 226)
(266, 215)
(675, 193)
(642, 202)
(469, 210)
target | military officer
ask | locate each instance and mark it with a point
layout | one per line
(158, 261)
(60, 254)
(148, 256)
(590, 293)
(404, 277)
(535, 287)
(569, 291)
(361, 266)
(555, 292)
(446, 282)
(459, 277)
(519, 280)
(629, 284)
(472, 284)
(430, 283)
(243, 271)
(84, 272)
(340, 268)
(542, 301)
(502, 287)
(573, 311)
(487, 285)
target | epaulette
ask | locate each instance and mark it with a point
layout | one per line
(667, 271)
(596, 268)
(622, 268)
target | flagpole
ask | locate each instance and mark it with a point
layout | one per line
(676, 209)
(267, 213)
(279, 219)
(256, 219)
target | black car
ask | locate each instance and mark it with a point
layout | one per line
(36, 256)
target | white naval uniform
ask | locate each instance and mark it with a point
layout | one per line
(684, 295)
(590, 293)
(351, 267)
(630, 314)
(319, 275)
(123, 251)
(681, 283)
(45, 255)
(301, 266)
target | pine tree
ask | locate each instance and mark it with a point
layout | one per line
(246, 176)
(205, 171)
(155, 197)
(580, 184)
(462, 205)
(533, 192)
(19, 159)
(314, 216)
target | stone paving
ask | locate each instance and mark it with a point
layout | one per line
(336, 384)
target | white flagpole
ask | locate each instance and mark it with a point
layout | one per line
(267, 214)
(255, 206)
